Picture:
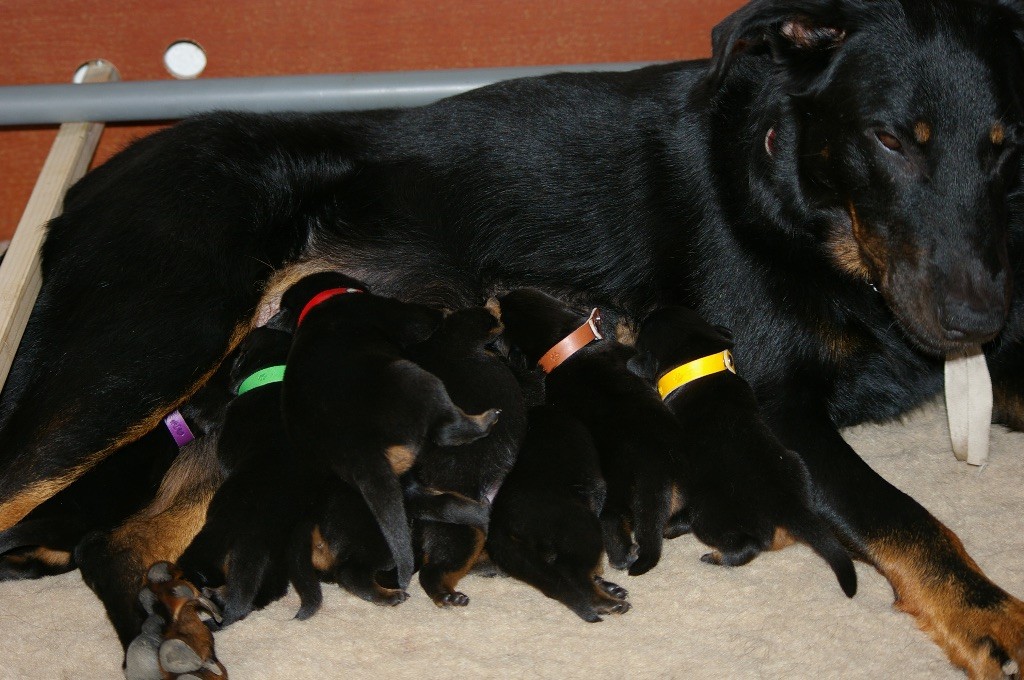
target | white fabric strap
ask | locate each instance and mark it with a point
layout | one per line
(969, 405)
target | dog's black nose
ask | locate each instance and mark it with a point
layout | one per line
(972, 319)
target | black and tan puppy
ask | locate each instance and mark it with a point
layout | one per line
(240, 555)
(476, 379)
(634, 434)
(353, 402)
(238, 560)
(341, 542)
(544, 525)
(744, 491)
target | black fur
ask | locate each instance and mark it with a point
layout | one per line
(634, 434)
(638, 189)
(477, 379)
(544, 526)
(351, 399)
(240, 555)
(740, 484)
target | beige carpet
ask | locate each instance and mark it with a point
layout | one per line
(783, 616)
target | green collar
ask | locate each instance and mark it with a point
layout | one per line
(264, 376)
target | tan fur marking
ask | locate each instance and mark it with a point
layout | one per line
(846, 253)
(997, 134)
(873, 250)
(282, 280)
(937, 602)
(401, 458)
(782, 539)
(676, 502)
(826, 152)
(163, 529)
(626, 332)
(922, 132)
(14, 509)
(323, 559)
(451, 579)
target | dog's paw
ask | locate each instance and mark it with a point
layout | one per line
(987, 642)
(452, 599)
(610, 589)
(386, 597)
(612, 607)
(175, 641)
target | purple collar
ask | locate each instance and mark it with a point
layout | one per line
(179, 429)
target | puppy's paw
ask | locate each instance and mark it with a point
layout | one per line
(612, 607)
(610, 589)
(452, 599)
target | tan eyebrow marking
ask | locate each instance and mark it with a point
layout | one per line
(922, 132)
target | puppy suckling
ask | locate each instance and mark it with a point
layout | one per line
(544, 524)
(744, 491)
(634, 434)
(355, 403)
(239, 557)
(476, 379)
(341, 542)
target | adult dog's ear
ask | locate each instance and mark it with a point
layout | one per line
(800, 33)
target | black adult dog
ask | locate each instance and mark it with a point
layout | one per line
(828, 149)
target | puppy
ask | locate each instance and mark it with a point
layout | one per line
(353, 402)
(744, 491)
(476, 379)
(239, 558)
(634, 434)
(341, 542)
(544, 524)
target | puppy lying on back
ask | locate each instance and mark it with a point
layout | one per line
(743, 489)
(240, 555)
(544, 524)
(353, 402)
(634, 434)
(476, 379)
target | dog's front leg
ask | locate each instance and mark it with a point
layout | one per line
(979, 625)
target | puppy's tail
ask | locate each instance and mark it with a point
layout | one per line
(815, 532)
(302, 573)
(463, 429)
(383, 494)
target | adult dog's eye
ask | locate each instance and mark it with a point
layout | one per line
(889, 140)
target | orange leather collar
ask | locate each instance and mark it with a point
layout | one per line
(572, 343)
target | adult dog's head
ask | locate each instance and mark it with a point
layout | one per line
(904, 130)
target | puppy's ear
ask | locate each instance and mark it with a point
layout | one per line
(283, 320)
(408, 324)
(802, 34)
(642, 364)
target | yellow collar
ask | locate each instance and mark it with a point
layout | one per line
(698, 368)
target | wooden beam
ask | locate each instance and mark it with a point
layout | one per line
(20, 274)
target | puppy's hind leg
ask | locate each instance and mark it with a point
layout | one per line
(380, 488)
(458, 428)
(449, 552)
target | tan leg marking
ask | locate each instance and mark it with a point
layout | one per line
(939, 601)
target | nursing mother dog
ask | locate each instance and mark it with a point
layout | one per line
(837, 184)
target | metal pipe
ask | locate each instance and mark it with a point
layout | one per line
(172, 99)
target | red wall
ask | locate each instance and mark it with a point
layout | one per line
(44, 41)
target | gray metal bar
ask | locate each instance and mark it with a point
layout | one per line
(172, 99)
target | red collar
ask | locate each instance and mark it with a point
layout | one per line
(321, 296)
(572, 343)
